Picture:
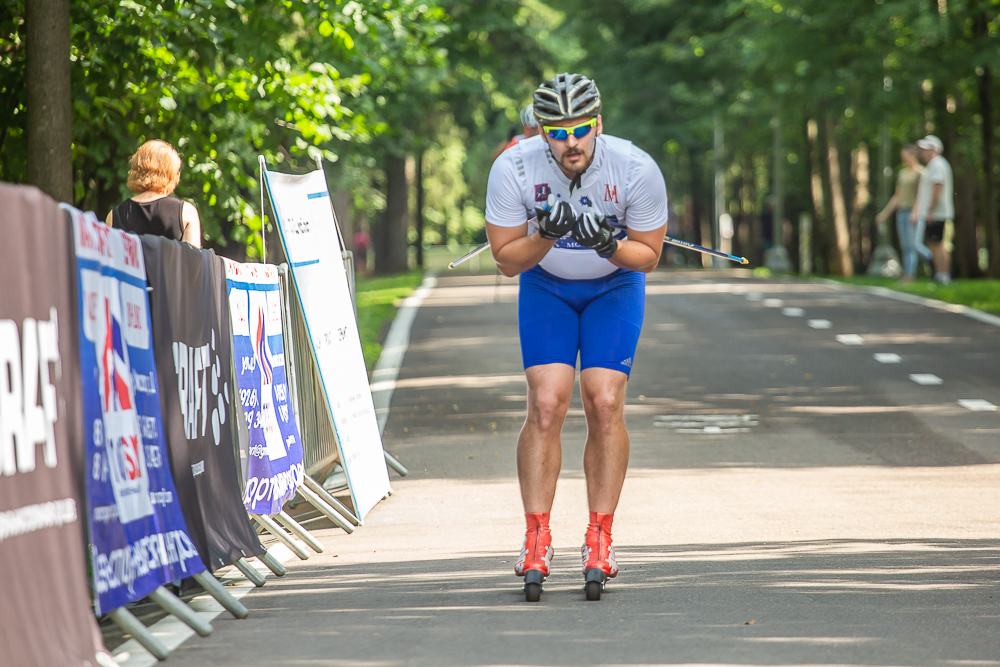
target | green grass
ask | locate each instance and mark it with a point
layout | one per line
(378, 299)
(981, 294)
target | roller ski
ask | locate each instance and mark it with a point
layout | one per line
(598, 555)
(536, 555)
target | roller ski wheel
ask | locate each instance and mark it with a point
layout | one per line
(533, 585)
(536, 555)
(598, 555)
(594, 582)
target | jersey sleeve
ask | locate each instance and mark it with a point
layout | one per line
(647, 195)
(504, 206)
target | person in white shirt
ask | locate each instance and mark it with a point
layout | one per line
(936, 205)
(599, 212)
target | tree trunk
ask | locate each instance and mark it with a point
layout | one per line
(697, 196)
(390, 238)
(841, 234)
(820, 189)
(861, 245)
(48, 97)
(989, 190)
(420, 209)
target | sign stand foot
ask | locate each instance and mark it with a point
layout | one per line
(127, 621)
(221, 595)
(172, 604)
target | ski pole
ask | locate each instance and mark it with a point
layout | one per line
(666, 239)
(707, 251)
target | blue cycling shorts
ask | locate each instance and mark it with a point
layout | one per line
(600, 319)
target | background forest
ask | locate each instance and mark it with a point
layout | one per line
(407, 101)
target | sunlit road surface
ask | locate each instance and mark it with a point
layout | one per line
(791, 499)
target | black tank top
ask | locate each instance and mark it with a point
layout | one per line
(160, 217)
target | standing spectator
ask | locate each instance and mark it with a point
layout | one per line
(361, 243)
(154, 172)
(936, 205)
(911, 234)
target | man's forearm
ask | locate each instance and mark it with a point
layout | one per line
(521, 254)
(635, 256)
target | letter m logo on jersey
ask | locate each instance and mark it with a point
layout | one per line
(611, 193)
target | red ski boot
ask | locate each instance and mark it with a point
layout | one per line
(598, 555)
(536, 555)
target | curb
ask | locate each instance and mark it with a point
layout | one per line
(887, 293)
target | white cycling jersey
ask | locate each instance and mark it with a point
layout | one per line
(622, 183)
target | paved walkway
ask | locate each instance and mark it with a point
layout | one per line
(791, 500)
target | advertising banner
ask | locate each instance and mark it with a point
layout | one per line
(274, 463)
(190, 314)
(139, 537)
(46, 617)
(309, 236)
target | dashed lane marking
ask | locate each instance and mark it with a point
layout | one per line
(850, 339)
(926, 379)
(820, 324)
(887, 357)
(977, 405)
(793, 312)
(773, 303)
(754, 296)
(707, 424)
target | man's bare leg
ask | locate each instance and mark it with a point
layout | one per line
(539, 447)
(605, 459)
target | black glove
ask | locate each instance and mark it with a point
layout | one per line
(594, 231)
(557, 221)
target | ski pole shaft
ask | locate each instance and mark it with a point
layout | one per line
(469, 255)
(707, 251)
(666, 239)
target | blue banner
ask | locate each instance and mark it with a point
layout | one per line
(274, 466)
(138, 535)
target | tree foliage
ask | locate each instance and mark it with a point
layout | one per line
(666, 67)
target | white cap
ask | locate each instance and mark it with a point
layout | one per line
(931, 143)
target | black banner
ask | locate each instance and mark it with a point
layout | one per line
(46, 617)
(190, 308)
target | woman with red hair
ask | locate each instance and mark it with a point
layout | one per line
(154, 172)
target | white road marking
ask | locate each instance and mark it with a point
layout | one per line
(172, 632)
(773, 303)
(396, 341)
(977, 405)
(820, 324)
(850, 339)
(793, 312)
(926, 378)
(707, 424)
(887, 357)
(754, 296)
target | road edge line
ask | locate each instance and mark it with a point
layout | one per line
(383, 381)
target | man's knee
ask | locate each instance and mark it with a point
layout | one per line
(604, 406)
(547, 408)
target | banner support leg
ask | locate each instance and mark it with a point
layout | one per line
(172, 604)
(330, 513)
(395, 464)
(295, 528)
(127, 621)
(272, 564)
(248, 571)
(327, 497)
(290, 542)
(221, 595)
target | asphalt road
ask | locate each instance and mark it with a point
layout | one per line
(790, 500)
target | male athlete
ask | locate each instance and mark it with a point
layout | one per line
(601, 208)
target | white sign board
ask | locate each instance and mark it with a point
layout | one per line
(309, 235)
